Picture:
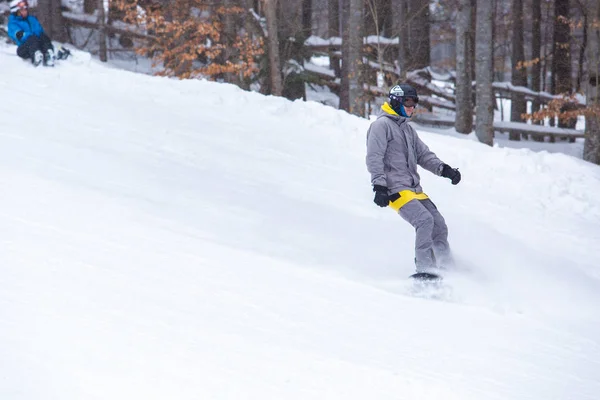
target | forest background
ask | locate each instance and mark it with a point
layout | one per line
(543, 55)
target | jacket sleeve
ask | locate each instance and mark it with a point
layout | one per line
(377, 142)
(13, 28)
(427, 158)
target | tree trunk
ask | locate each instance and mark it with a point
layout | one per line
(333, 18)
(386, 20)
(580, 67)
(378, 18)
(306, 18)
(253, 28)
(351, 92)
(483, 54)
(372, 20)
(536, 54)
(464, 109)
(561, 49)
(472, 65)
(400, 23)
(102, 50)
(344, 82)
(276, 82)
(89, 6)
(334, 31)
(50, 15)
(547, 37)
(591, 148)
(419, 28)
(299, 28)
(562, 53)
(500, 33)
(229, 32)
(519, 73)
(59, 32)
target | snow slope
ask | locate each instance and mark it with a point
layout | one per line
(166, 239)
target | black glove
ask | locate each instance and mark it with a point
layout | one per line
(19, 35)
(451, 173)
(381, 196)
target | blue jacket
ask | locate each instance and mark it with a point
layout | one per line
(29, 26)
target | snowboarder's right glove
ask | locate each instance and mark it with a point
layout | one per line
(19, 35)
(451, 173)
(381, 196)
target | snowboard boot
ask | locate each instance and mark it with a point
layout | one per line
(63, 53)
(49, 58)
(37, 58)
(426, 262)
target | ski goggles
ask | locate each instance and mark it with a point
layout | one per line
(22, 5)
(410, 101)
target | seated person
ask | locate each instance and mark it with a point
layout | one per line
(27, 32)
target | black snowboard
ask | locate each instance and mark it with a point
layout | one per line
(426, 277)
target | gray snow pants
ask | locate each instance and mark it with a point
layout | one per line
(431, 242)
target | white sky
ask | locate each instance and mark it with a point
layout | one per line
(166, 239)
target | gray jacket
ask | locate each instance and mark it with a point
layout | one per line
(393, 152)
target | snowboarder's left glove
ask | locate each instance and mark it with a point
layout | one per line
(451, 173)
(381, 196)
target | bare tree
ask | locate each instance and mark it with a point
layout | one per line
(378, 18)
(419, 44)
(591, 149)
(229, 33)
(519, 72)
(472, 38)
(464, 108)
(351, 90)
(376, 22)
(536, 47)
(276, 82)
(483, 55)
(306, 18)
(561, 60)
(547, 39)
(333, 29)
(102, 51)
(582, 47)
(50, 16)
(294, 27)
(400, 22)
(561, 49)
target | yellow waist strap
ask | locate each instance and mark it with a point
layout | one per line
(405, 197)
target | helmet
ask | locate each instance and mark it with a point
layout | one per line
(401, 95)
(404, 91)
(16, 5)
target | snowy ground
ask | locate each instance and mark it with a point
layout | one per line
(167, 239)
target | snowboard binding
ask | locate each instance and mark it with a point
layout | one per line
(63, 53)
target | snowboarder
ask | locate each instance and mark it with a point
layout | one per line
(27, 32)
(393, 152)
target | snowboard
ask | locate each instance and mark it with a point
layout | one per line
(425, 277)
